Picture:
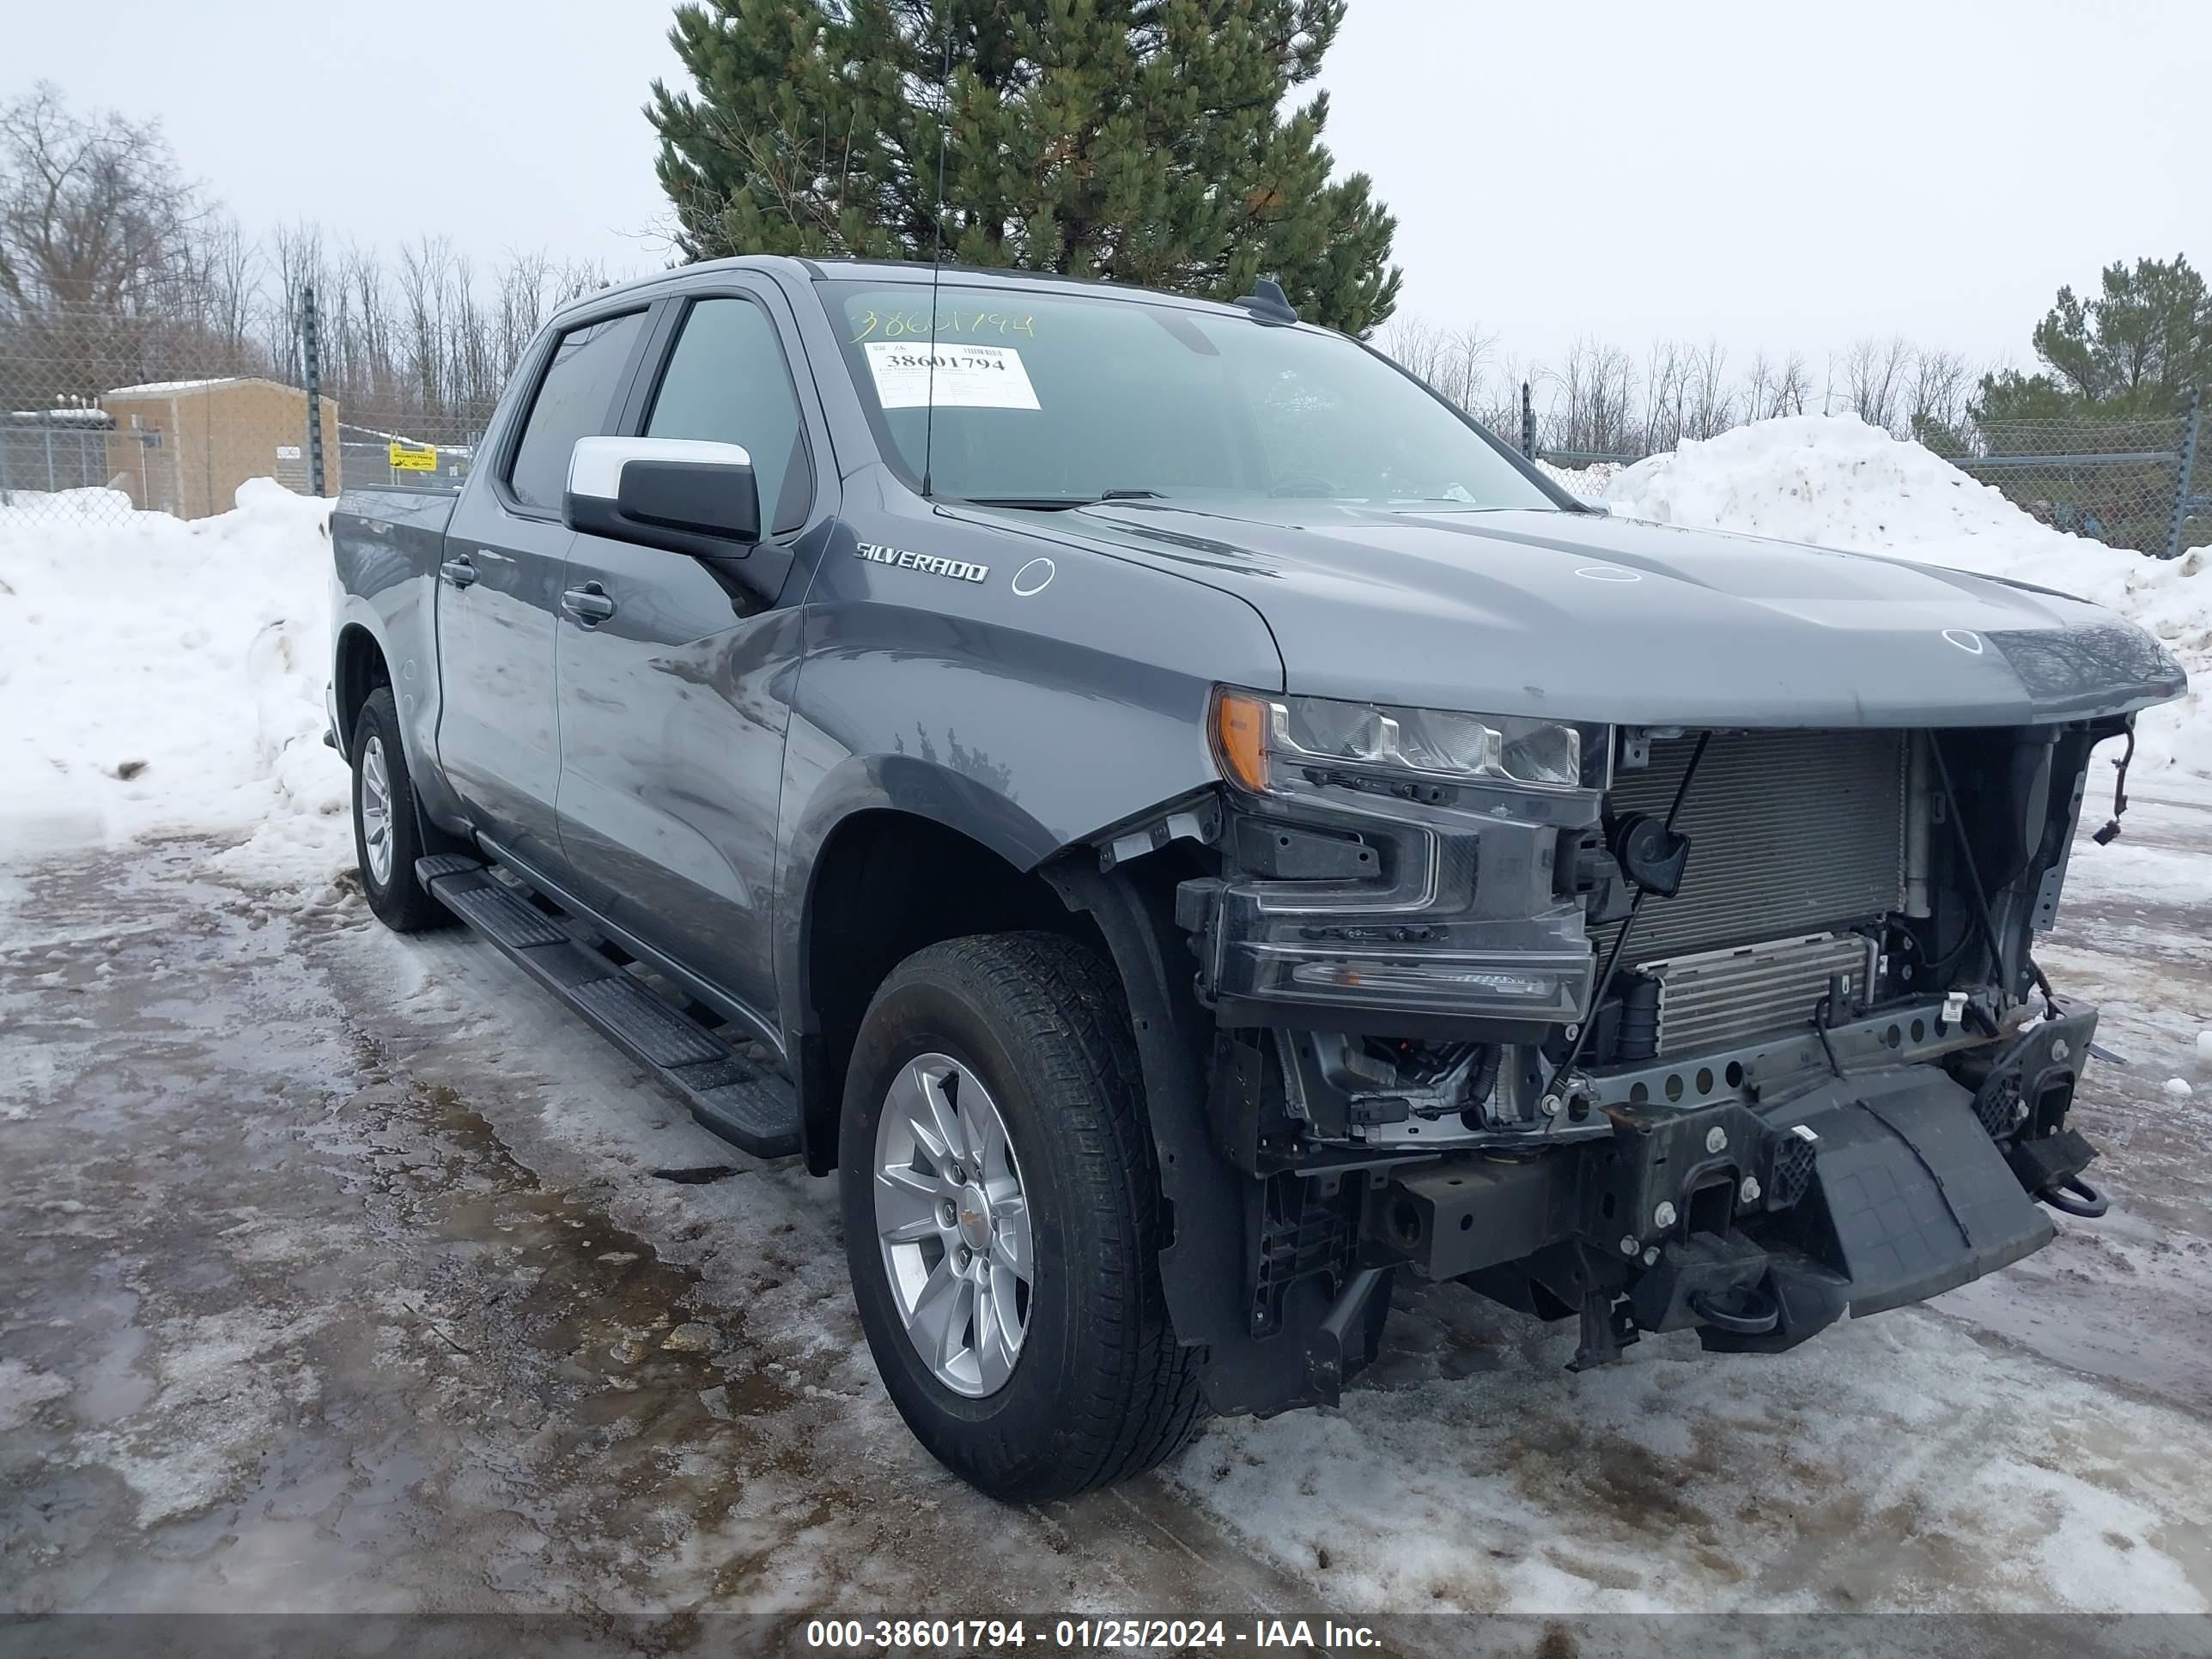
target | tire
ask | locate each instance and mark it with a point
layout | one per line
(1099, 1390)
(399, 900)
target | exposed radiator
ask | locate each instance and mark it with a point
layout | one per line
(1791, 834)
(1720, 999)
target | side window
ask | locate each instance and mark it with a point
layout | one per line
(574, 401)
(727, 382)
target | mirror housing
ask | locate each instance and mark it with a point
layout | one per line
(685, 495)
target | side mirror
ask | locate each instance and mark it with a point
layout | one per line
(682, 494)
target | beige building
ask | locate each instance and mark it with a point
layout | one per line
(184, 446)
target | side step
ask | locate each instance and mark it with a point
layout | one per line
(727, 1093)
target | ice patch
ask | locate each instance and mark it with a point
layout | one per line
(231, 1384)
(23, 1390)
(2178, 1087)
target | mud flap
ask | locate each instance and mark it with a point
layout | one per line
(1910, 1197)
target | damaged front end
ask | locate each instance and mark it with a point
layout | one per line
(1731, 1031)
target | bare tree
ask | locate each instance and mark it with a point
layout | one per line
(93, 213)
(1592, 394)
(296, 253)
(519, 305)
(221, 283)
(1457, 362)
(1498, 407)
(1776, 387)
(1876, 374)
(114, 267)
(1664, 390)
(1943, 385)
(1711, 405)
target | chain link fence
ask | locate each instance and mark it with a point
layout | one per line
(104, 412)
(2128, 482)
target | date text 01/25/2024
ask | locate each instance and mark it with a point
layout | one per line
(988, 1635)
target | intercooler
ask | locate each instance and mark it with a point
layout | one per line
(1794, 836)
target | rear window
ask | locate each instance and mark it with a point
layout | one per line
(574, 400)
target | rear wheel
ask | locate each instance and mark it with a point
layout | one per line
(384, 823)
(1002, 1219)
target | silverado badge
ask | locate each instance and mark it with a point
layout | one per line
(928, 563)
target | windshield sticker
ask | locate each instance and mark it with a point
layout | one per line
(965, 376)
(873, 325)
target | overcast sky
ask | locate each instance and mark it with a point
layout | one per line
(1774, 175)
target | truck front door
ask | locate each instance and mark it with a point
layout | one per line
(500, 588)
(674, 701)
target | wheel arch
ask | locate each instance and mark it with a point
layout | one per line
(885, 882)
(358, 666)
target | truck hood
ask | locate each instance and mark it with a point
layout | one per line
(1588, 618)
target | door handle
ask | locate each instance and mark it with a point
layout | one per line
(459, 571)
(589, 604)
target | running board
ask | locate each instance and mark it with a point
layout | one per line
(728, 1094)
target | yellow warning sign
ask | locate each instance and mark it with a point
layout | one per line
(414, 458)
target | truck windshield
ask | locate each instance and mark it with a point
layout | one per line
(1055, 400)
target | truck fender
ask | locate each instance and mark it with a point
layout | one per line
(1213, 1206)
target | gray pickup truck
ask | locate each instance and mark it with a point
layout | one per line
(1186, 825)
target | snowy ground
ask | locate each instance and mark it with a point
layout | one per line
(399, 1314)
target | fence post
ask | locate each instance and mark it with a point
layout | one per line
(311, 362)
(1528, 422)
(2182, 478)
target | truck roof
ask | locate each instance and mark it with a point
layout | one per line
(915, 272)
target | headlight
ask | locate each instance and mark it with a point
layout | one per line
(1269, 743)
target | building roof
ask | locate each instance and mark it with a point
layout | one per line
(66, 416)
(172, 388)
(193, 388)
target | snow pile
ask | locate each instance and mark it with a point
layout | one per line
(160, 676)
(1837, 481)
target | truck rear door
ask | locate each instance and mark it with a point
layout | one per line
(501, 586)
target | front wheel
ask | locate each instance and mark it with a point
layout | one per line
(1002, 1219)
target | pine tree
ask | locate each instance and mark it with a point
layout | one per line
(2136, 349)
(1140, 141)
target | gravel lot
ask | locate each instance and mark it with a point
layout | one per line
(344, 1279)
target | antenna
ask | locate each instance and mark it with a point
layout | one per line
(936, 253)
(1268, 304)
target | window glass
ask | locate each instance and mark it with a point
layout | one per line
(574, 401)
(1052, 397)
(726, 383)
